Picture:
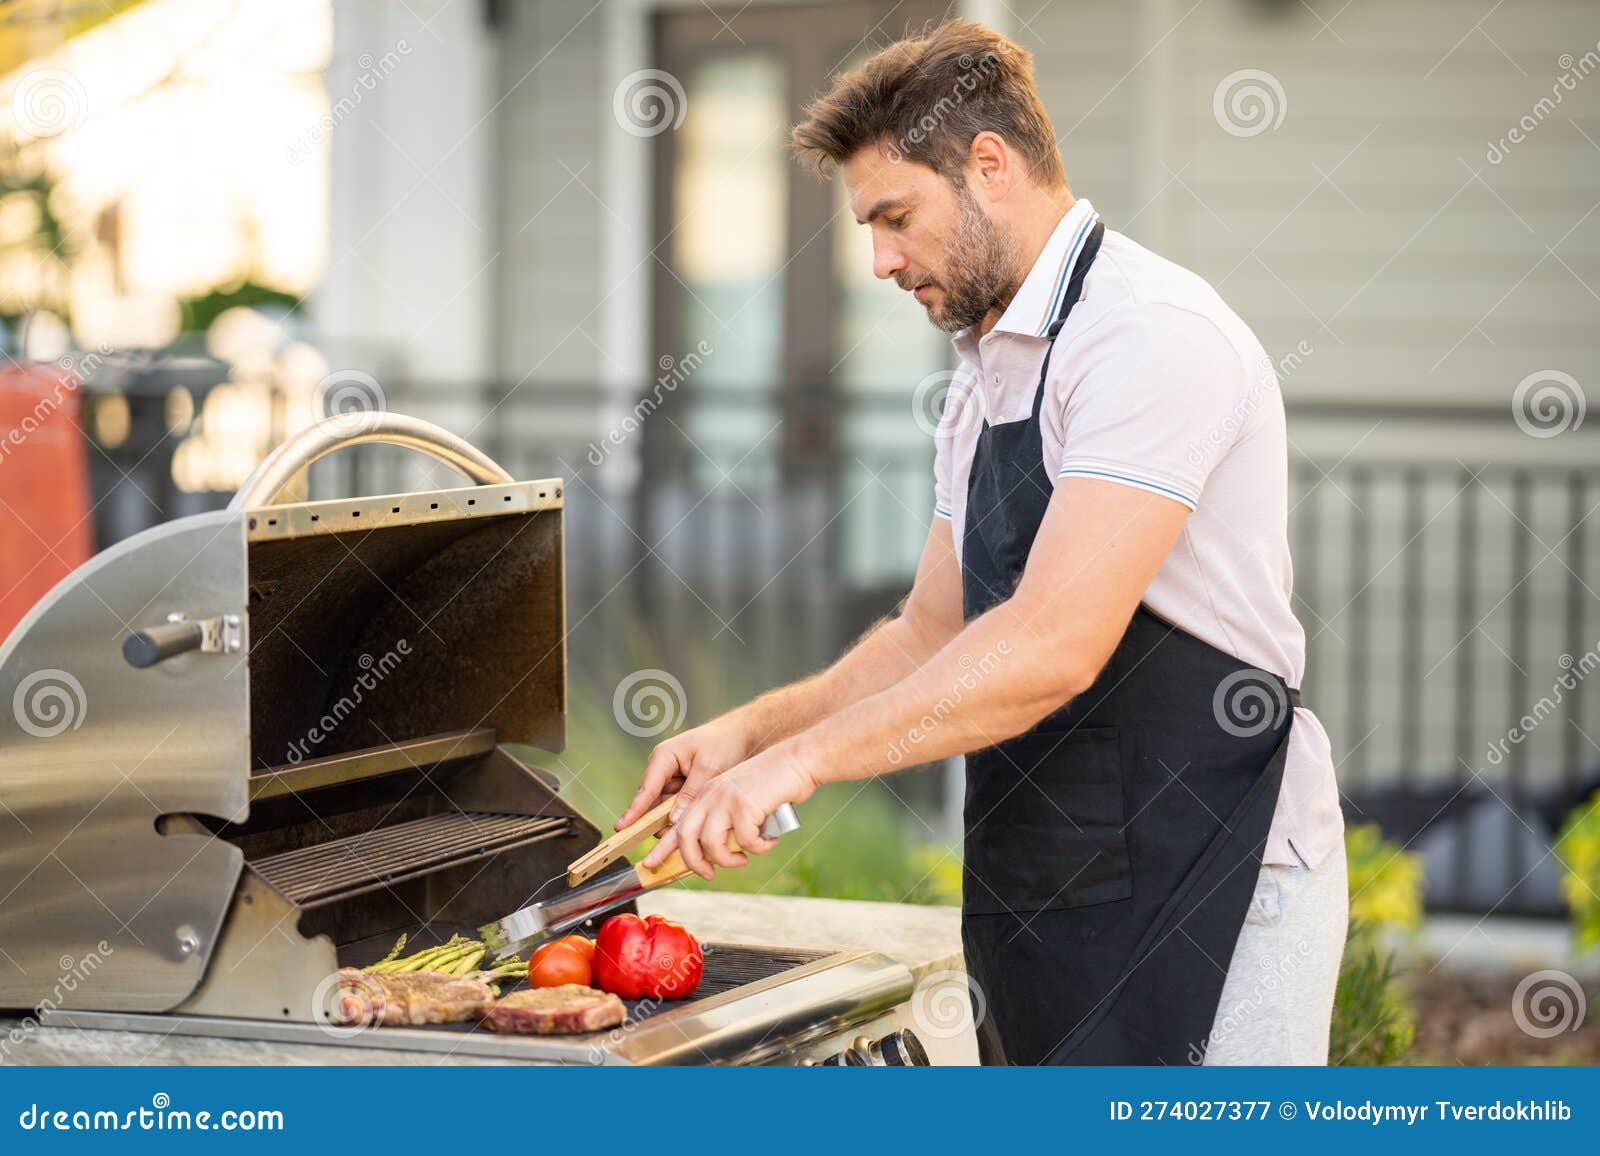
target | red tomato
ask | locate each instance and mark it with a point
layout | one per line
(586, 946)
(653, 957)
(557, 963)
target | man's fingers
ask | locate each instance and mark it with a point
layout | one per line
(659, 771)
(748, 831)
(689, 843)
(669, 840)
(714, 838)
(694, 782)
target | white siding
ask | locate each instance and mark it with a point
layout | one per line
(1417, 270)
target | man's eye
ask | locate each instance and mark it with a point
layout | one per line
(898, 222)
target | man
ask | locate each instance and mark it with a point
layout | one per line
(1153, 865)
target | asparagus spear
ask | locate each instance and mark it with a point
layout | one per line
(425, 960)
(394, 953)
(458, 956)
(448, 961)
(514, 969)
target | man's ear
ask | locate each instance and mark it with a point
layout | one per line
(989, 162)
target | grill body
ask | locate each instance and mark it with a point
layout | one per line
(315, 741)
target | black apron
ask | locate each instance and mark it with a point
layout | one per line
(1112, 851)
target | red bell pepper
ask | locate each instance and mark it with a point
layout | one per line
(652, 956)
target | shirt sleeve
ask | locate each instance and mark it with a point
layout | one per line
(941, 481)
(953, 412)
(1153, 399)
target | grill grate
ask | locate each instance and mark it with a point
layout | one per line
(356, 864)
(728, 966)
(731, 965)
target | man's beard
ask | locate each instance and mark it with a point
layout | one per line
(980, 269)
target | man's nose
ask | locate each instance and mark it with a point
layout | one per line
(886, 261)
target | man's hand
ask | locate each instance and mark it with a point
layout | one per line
(685, 763)
(739, 800)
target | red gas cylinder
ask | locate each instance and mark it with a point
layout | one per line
(44, 485)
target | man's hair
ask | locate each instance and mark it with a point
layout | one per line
(924, 100)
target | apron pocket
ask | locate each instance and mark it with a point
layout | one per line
(1046, 823)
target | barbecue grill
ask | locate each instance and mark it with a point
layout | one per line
(252, 746)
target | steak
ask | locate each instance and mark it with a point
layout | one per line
(570, 1009)
(418, 997)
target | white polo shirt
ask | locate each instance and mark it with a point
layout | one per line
(1155, 383)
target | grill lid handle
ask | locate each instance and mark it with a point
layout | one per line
(335, 433)
(144, 648)
(180, 634)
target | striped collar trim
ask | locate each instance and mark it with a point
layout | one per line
(1039, 298)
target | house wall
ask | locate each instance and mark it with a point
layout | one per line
(1369, 225)
(412, 281)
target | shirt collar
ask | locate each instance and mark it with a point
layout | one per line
(1039, 298)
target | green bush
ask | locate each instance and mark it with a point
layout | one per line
(1578, 847)
(1385, 882)
(1372, 1016)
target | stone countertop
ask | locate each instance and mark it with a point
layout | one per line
(925, 939)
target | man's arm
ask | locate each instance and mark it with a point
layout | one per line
(1096, 552)
(1098, 549)
(884, 655)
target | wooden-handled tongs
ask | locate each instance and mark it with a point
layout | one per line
(589, 896)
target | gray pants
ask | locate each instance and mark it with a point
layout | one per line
(1277, 1001)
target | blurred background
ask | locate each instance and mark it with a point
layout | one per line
(572, 234)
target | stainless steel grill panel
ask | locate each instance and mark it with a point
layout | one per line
(342, 868)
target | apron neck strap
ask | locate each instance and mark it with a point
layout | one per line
(1091, 247)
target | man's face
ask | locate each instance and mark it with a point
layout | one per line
(933, 237)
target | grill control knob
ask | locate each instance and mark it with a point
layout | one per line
(899, 1049)
(902, 1049)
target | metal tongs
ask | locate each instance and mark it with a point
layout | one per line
(590, 894)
